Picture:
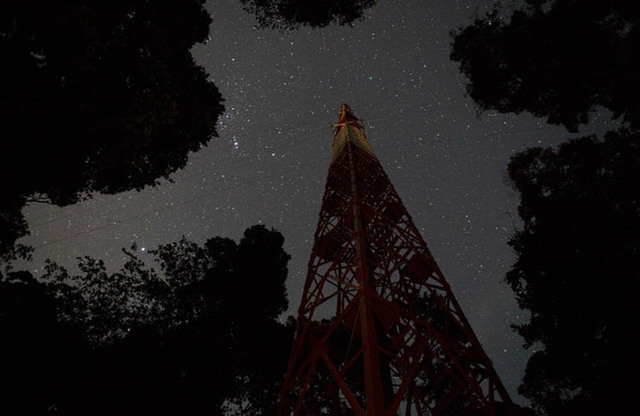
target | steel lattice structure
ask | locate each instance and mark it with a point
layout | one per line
(397, 342)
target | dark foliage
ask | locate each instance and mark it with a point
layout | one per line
(578, 251)
(576, 272)
(291, 14)
(558, 59)
(200, 338)
(40, 357)
(97, 97)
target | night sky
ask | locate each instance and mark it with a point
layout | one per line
(282, 93)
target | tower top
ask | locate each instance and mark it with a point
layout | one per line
(348, 130)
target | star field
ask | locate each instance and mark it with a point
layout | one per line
(282, 93)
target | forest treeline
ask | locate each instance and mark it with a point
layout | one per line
(578, 248)
(201, 336)
(106, 97)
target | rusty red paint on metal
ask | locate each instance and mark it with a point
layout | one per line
(379, 332)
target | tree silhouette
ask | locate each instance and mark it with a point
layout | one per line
(291, 14)
(578, 250)
(559, 59)
(576, 271)
(97, 98)
(200, 336)
(40, 356)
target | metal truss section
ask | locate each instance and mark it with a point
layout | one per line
(379, 330)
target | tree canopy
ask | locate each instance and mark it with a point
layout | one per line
(559, 59)
(578, 262)
(291, 14)
(97, 97)
(577, 252)
(105, 98)
(200, 336)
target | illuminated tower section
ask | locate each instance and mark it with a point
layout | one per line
(379, 332)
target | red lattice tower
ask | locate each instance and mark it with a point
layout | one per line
(379, 332)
